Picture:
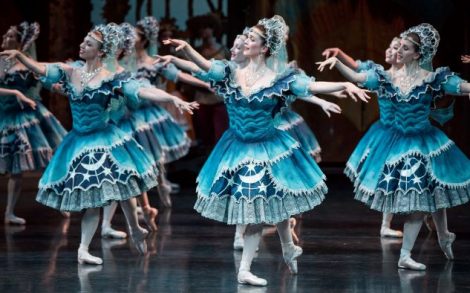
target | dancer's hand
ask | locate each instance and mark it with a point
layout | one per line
(465, 59)
(185, 106)
(164, 60)
(331, 62)
(179, 44)
(9, 54)
(354, 92)
(24, 99)
(329, 107)
(331, 52)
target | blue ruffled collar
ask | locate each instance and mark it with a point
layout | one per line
(433, 81)
(106, 86)
(277, 87)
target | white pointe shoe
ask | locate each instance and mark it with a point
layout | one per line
(290, 257)
(387, 232)
(108, 232)
(86, 258)
(238, 242)
(14, 220)
(408, 263)
(138, 237)
(247, 278)
(446, 246)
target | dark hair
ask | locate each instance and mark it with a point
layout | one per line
(416, 39)
(263, 30)
(143, 38)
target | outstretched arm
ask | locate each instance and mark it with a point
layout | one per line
(192, 54)
(326, 106)
(343, 57)
(157, 95)
(189, 79)
(19, 96)
(324, 87)
(178, 62)
(347, 72)
(30, 63)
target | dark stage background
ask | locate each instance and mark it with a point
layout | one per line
(363, 28)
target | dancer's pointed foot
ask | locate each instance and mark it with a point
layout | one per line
(446, 245)
(291, 253)
(150, 214)
(138, 238)
(387, 232)
(407, 262)
(14, 220)
(108, 232)
(247, 278)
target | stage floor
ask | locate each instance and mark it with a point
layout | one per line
(342, 252)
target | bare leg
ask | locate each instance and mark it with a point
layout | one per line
(106, 230)
(90, 221)
(290, 251)
(385, 230)
(138, 233)
(252, 238)
(150, 213)
(446, 238)
(411, 231)
(14, 191)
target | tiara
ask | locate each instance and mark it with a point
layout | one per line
(128, 37)
(111, 38)
(429, 41)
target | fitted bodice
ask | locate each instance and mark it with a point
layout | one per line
(252, 120)
(22, 80)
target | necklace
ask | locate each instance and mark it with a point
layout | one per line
(85, 77)
(252, 76)
(405, 82)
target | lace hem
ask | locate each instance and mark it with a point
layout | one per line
(412, 201)
(78, 200)
(243, 211)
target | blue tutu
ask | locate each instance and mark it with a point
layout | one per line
(256, 172)
(404, 164)
(27, 137)
(295, 125)
(97, 162)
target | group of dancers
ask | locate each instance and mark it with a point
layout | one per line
(263, 170)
